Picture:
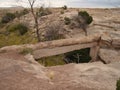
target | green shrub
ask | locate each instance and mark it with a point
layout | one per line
(8, 17)
(43, 12)
(118, 85)
(64, 7)
(67, 21)
(26, 51)
(88, 19)
(19, 28)
(78, 56)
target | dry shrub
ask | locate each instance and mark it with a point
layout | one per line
(54, 31)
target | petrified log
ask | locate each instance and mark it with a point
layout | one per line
(55, 43)
(64, 49)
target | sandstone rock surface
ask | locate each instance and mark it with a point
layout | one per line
(109, 55)
(19, 72)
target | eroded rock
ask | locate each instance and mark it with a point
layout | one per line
(18, 72)
(109, 55)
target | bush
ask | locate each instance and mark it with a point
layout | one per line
(62, 12)
(67, 20)
(88, 19)
(53, 32)
(8, 17)
(20, 28)
(118, 85)
(43, 11)
(64, 7)
(78, 56)
(83, 19)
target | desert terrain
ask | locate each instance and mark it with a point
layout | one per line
(23, 72)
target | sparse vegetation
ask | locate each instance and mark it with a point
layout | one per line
(62, 12)
(19, 28)
(83, 19)
(26, 51)
(53, 32)
(35, 14)
(67, 21)
(65, 77)
(118, 85)
(43, 11)
(21, 13)
(14, 39)
(24, 11)
(52, 61)
(8, 17)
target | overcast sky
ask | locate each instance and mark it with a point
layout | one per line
(69, 3)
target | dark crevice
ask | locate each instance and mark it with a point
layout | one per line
(77, 56)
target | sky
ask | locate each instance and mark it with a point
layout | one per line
(69, 3)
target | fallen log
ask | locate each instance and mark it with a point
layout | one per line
(54, 43)
(61, 50)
